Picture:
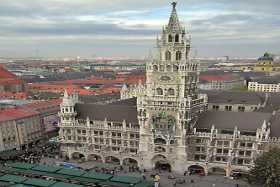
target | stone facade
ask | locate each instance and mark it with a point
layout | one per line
(163, 129)
(19, 129)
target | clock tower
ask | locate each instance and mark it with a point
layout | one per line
(168, 111)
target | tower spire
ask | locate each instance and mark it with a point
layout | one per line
(173, 20)
(174, 3)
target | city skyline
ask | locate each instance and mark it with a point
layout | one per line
(122, 28)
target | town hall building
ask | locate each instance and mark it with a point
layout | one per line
(167, 122)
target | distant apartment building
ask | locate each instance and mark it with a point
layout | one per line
(218, 80)
(26, 124)
(271, 84)
(9, 82)
(18, 128)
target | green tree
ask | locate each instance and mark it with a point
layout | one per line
(267, 169)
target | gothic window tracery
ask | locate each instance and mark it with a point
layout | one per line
(170, 38)
(171, 91)
(167, 55)
(159, 141)
(168, 68)
(155, 68)
(177, 38)
(178, 55)
(159, 91)
(175, 68)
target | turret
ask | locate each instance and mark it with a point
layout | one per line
(67, 111)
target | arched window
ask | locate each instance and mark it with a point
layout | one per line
(159, 91)
(155, 67)
(175, 68)
(177, 38)
(178, 55)
(170, 38)
(159, 141)
(167, 55)
(171, 91)
(161, 68)
(168, 68)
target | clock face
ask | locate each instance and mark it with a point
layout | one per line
(165, 78)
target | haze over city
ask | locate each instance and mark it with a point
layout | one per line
(128, 28)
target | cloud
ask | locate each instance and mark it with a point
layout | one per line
(133, 22)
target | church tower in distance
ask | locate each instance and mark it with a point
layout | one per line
(168, 112)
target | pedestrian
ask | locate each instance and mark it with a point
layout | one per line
(143, 176)
(237, 185)
(185, 173)
(156, 180)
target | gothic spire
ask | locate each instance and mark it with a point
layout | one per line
(173, 20)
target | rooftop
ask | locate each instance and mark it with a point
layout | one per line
(15, 113)
(232, 97)
(245, 121)
(117, 113)
(5, 74)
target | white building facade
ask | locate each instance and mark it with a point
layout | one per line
(263, 87)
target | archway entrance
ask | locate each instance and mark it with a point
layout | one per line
(130, 162)
(78, 156)
(162, 166)
(160, 162)
(217, 171)
(196, 169)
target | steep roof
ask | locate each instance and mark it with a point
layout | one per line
(5, 74)
(116, 113)
(99, 98)
(15, 113)
(127, 102)
(245, 121)
(229, 97)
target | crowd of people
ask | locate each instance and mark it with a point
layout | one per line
(32, 154)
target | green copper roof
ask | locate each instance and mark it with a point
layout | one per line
(39, 182)
(13, 178)
(63, 184)
(99, 176)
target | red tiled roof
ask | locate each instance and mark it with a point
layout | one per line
(5, 74)
(39, 105)
(15, 113)
(18, 95)
(11, 81)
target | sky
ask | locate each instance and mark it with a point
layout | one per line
(128, 28)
